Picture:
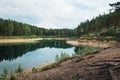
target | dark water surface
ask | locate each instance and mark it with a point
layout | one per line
(32, 54)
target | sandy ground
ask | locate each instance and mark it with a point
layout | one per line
(91, 43)
(32, 40)
(7, 41)
(75, 43)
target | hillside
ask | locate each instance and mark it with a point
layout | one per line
(15, 28)
(106, 25)
(103, 65)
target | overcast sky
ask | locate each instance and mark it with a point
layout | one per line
(53, 13)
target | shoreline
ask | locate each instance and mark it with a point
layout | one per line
(30, 40)
(10, 41)
(92, 43)
(71, 42)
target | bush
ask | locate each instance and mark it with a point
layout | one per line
(87, 50)
(34, 70)
(19, 69)
(3, 75)
(61, 57)
(12, 77)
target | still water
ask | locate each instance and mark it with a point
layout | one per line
(32, 54)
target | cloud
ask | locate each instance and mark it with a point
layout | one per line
(53, 13)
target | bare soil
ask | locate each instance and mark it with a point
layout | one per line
(93, 43)
(102, 65)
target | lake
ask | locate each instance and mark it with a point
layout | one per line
(31, 55)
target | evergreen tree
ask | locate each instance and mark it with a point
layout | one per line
(19, 69)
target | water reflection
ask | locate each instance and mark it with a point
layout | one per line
(11, 52)
(33, 54)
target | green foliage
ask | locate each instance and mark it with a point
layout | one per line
(19, 69)
(61, 57)
(3, 75)
(57, 58)
(79, 51)
(5, 72)
(34, 70)
(12, 77)
(14, 28)
(47, 66)
(102, 25)
(87, 50)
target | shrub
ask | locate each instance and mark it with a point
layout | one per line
(61, 57)
(12, 77)
(3, 75)
(87, 50)
(34, 70)
(19, 69)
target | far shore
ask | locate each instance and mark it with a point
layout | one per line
(8, 41)
(29, 40)
(71, 42)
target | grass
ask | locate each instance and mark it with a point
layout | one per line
(45, 67)
(48, 66)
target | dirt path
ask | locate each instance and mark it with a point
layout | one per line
(103, 65)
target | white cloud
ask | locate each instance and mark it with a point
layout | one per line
(53, 13)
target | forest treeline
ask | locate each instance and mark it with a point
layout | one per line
(102, 25)
(14, 28)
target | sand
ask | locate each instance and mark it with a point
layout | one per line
(8, 41)
(89, 43)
